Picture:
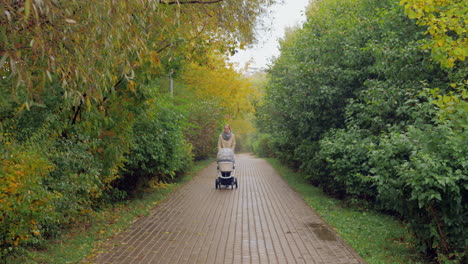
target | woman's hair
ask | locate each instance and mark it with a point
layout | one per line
(227, 125)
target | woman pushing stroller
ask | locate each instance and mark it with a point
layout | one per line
(225, 159)
(227, 139)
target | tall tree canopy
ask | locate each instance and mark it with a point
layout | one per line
(88, 47)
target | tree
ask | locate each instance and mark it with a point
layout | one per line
(217, 94)
(89, 47)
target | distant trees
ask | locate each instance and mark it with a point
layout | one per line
(218, 94)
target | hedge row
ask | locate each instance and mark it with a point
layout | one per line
(356, 105)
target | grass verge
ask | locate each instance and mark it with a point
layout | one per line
(377, 238)
(81, 243)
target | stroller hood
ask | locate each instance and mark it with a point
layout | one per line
(225, 154)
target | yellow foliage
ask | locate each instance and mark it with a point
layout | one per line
(156, 184)
(21, 173)
(446, 23)
(18, 170)
(451, 103)
(221, 83)
(234, 94)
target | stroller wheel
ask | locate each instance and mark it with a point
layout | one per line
(217, 183)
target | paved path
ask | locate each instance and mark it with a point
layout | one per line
(264, 221)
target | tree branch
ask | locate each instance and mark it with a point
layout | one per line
(163, 48)
(177, 2)
(439, 229)
(77, 112)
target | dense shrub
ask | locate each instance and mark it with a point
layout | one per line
(345, 154)
(160, 149)
(76, 179)
(263, 146)
(356, 104)
(26, 207)
(423, 175)
(322, 65)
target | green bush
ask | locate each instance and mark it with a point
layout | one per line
(263, 146)
(202, 129)
(356, 104)
(160, 149)
(345, 154)
(76, 178)
(26, 206)
(423, 175)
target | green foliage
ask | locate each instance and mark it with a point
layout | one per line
(321, 66)
(160, 150)
(355, 103)
(204, 120)
(383, 106)
(263, 146)
(76, 179)
(345, 154)
(422, 174)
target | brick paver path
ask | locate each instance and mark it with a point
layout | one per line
(264, 221)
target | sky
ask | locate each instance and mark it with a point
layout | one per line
(287, 14)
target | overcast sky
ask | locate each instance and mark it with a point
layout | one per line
(287, 14)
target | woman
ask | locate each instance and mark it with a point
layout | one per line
(227, 139)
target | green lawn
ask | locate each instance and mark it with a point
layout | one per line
(377, 238)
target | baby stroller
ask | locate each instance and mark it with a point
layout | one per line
(226, 169)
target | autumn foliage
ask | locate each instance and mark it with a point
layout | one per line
(85, 109)
(227, 98)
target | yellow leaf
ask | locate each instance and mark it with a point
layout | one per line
(27, 9)
(132, 85)
(24, 105)
(88, 104)
(440, 42)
